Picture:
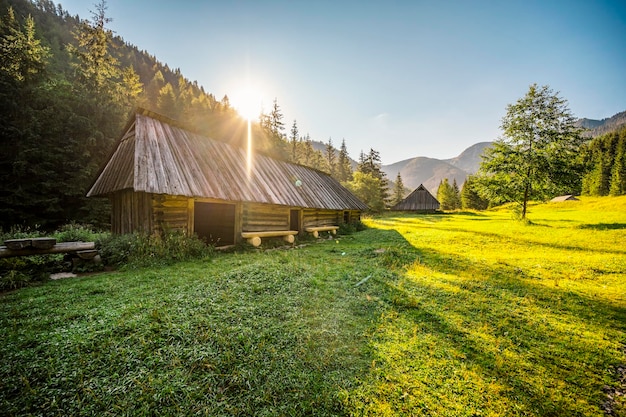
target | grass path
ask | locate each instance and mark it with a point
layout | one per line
(469, 314)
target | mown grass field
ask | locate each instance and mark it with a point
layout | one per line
(465, 314)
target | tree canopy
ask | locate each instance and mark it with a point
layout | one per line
(536, 157)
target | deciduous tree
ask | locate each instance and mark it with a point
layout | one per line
(536, 157)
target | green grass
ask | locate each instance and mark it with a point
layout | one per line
(464, 314)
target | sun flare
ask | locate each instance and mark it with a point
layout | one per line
(248, 102)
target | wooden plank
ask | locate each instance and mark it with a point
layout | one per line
(17, 244)
(65, 247)
(270, 233)
(44, 242)
(316, 230)
(321, 228)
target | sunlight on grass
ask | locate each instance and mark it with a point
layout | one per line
(462, 314)
(497, 317)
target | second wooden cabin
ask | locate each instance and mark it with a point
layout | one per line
(164, 177)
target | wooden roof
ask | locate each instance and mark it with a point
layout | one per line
(419, 199)
(156, 155)
(568, 197)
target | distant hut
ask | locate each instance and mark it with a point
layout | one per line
(164, 177)
(568, 197)
(419, 200)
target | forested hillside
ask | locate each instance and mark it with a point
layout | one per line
(604, 160)
(68, 85)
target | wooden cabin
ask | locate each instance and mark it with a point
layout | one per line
(162, 176)
(419, 200)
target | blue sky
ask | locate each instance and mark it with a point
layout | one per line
(407, 78)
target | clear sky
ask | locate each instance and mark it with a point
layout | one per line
(407, 78)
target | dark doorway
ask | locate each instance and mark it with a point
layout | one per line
(215, 223)
(294, 220)
(346, 217)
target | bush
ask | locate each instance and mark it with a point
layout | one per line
(352, 227)
(75, 232)
(137, 250)
(21, 271)
(19, 232)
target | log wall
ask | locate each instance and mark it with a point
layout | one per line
(171, 212)
(264, 217)
(320, 217)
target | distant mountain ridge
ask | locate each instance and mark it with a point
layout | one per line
(600, 127)
(431, 171)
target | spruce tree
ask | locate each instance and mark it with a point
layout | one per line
(331, 159)
(446, 195)
(618, 172)
(470, 199)
(294, 142)
(344, 169)
(398, 191)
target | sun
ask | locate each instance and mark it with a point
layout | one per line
(248, 101)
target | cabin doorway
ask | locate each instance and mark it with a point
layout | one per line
(215, 223)
(294, 220)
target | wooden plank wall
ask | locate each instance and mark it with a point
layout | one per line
(320, 217)
(171, 212)
(264, 217)
(131, 212)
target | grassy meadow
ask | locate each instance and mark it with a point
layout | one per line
(462, 314)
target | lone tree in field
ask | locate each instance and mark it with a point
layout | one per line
(536, 156)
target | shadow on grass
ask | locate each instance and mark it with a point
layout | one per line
(498, 343)
(603, 226)
(531, 242)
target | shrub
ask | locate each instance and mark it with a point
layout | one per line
(19, 232)
(21, 271)
(138, 250)
(74, 232)
(352, 227)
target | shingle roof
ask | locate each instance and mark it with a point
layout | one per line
(158, 156)
(419, 199)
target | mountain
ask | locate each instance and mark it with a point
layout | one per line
(431, 171)
(600, 127)
(469, 160)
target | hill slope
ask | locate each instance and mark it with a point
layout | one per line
(600, 127)
(431, 171)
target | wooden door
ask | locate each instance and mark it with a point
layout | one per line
(215, 223)
(294, 220)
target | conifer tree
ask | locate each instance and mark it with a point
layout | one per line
(618, 172)
(329, 154)
(398, 191)
(23, 55)
(294, 142)
(457, 194)
(470, 199)
(446, 195)
(344, 169)
(371, 164)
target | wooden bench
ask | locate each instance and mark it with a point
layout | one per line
(317, 229)
(254, 238)
(44, 246)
